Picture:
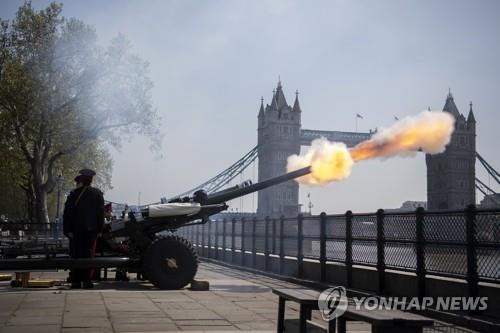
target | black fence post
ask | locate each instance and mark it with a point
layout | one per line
(242, 238)
(216, 238)
(224, 221)
(266, 243)
(300, 246)
(420, 250)
(233, 240)
(322, 245)
(348, 248)
(274, 237)
(254, 250)
(472, 274)
(197, 230)
(282, 245)
(209, 240)
(380, 250)
(203, 250)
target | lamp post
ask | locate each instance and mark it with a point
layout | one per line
(310, 204)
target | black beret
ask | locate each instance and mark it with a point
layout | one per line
(87, 172)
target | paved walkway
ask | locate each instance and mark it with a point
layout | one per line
(237, 301)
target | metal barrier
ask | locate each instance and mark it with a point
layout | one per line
(20, 230)
(458, 244)
(19, 238)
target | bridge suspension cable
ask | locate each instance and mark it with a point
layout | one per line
(491, 171)
(225, 177)
(482, 187)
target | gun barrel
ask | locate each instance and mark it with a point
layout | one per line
(222, 196)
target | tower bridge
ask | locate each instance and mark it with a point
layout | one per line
(451, 176)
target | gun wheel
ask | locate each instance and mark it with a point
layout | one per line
(170, 262)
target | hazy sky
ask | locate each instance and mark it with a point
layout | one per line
(211, 61)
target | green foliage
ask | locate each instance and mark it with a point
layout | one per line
(63, 99)
(13, 168)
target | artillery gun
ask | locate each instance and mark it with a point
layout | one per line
(145, 242)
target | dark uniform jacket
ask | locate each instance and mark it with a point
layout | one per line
(84, 212)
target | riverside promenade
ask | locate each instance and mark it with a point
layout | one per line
(237, 301)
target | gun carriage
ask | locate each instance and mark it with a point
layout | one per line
(145, 242)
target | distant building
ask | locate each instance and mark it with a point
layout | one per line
(412, 205)
(408, 206)
(451, 175)
(491, 201)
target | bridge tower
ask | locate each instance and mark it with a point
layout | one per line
(279, 135)
(279, 129)
(451, 175)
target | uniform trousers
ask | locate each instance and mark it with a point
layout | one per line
(82, 246)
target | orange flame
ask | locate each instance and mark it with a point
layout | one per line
(329, 161)
(428, 131)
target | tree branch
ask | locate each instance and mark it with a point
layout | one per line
(50, 183)
(22, 142)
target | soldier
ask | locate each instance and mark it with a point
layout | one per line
(83, 222)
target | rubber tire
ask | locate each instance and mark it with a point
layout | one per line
(155, 267)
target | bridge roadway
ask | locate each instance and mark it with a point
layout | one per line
(237, 301)
(349, 138)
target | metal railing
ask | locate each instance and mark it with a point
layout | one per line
(458, 244)
(19, 238)
(19, 230)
